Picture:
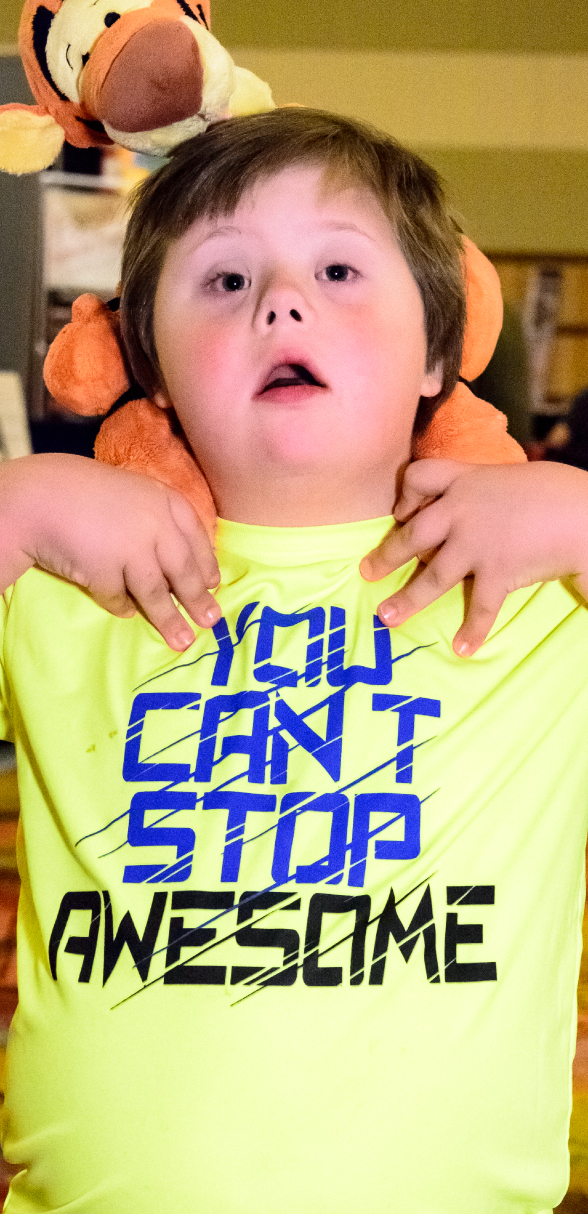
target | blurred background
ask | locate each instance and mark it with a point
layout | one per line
(495, 96)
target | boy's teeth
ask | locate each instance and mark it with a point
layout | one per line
(290, 375)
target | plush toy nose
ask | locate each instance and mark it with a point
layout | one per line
(155, 79)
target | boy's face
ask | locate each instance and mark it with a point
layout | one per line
(292, 344)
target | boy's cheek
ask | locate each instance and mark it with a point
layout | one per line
(195, 367)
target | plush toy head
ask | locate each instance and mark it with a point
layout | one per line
(146, 74)
(86, 372)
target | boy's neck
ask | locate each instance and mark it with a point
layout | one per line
(307, 502)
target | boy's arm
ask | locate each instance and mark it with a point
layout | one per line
(126, 539)
(497, 527)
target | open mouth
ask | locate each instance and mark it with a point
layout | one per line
(290, 375)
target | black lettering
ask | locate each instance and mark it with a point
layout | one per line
(193, 937)
(470, 895)
(467, 933)
(142, 947)
(335, 904)
(84, 945)
(391, 925)
(265, 937)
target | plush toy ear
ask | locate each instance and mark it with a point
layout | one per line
(85, 369)
(30, 139)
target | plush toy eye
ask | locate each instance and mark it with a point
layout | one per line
(110, 19)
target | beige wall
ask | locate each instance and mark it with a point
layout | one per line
(508, 131)
(10, 11)
(495, 94)
(554, 26)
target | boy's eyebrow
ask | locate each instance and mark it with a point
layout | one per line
(225, 230)
(333, 226)
(328, 225)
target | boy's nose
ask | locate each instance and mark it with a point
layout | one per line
(284, 299)
(294, 313)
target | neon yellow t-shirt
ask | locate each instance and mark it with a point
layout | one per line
(300, 916)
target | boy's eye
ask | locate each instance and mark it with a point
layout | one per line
(337, 273)
(232, 282)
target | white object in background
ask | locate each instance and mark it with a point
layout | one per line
(84, 234)
(540, 315)
(15, 439)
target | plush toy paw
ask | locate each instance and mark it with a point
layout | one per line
(30, 139)
(468, 429)
(84, 369)
(144, 438)
(251, 95)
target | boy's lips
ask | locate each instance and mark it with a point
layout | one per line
(289, 380)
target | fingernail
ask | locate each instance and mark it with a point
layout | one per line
(211, 615)
(464, 649)
(388, 614)
(184, 638)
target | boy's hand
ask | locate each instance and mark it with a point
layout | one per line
(497, 527)
(126, 539)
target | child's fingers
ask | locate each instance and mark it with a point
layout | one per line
(117, 602)
(424, 532)
(423, 481)
(426, 585)
(185, 579)
(483, 600)
(151, 592)
(199, 545)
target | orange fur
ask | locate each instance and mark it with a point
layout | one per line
(71, 117)
(146, 442)
(84, 368)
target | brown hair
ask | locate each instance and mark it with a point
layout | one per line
(206, 177)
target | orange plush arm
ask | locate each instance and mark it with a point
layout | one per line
(465, 427)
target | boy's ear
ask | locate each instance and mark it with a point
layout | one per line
(432, 380)
(161, 399)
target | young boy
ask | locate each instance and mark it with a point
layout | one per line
(358, 858)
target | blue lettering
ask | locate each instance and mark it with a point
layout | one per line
(397, 805)
(337, 675)
(407, 710)
(133, 769)
(239, 804)
(226, 646)
(139, 835)
(327, 751)
(284, 676)
(254, 744)
(329, 866)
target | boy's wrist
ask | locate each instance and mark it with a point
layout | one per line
(28, 488)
